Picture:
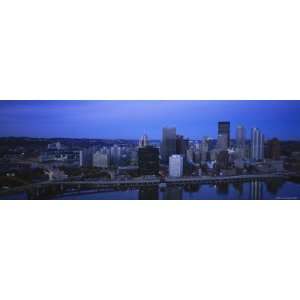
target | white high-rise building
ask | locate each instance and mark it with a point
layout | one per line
(115, 152)
(100, 160)
(175, 166)
(257, 144)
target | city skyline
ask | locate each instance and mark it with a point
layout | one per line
(131, 119)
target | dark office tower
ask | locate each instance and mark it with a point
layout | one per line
(224, 129)
(168, 145)
(223, 160)
(274, 149)
(148, 160)
(180, 145)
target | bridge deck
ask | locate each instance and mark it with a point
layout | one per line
(144, 182)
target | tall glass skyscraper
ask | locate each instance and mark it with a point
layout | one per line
(257, 144)
(168, 145)
(241, 147)
(224, 129)
(148, 160)
(240, 136)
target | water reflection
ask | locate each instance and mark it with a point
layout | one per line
(149, 193)
(173, 193)
(222, 188)
(239, 188)
(192, 188)
(273, 186)
(256, 190)
(272, 189)
(253, 190)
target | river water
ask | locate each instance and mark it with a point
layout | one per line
(274, 189)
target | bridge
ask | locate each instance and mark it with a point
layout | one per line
(222, 179)
(46, 188)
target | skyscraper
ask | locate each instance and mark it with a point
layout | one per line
(204, 149)
(224, 129)
(181, 146)
(257, 144)
(143, 142)
(240, 136)
(241, 141)
(274, 149)
(168, 146)
(148, 160)
(223, 159)
(115, 153)
(176, 166)
(222, 142)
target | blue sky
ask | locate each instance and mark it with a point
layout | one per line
(131, 119)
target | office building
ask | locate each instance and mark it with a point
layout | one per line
(240, 136)
(86, 158)
(175, 166)
(181, 145)
(55, 146)
(222, 142)
(115, 154)
(148, 160)
(204, 149)
(143, 142)
(168, 145)
(257, 145)
(213, 155)
(190, 155)
(241, 142)
(224, 129)
(197, 156)
(274, 149)
(64, 157)
(223, 160)
(100, 160)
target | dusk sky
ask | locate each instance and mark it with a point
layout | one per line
(131, 119)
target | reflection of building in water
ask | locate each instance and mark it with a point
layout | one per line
(274, 185)
(173, 193)
(149, 193)
(238, 186)
(222, 188)
(256, 190)
(192, 188)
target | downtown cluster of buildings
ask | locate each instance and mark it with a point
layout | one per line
(176, 156)
(220, 155)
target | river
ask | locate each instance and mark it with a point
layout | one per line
(272, 189)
